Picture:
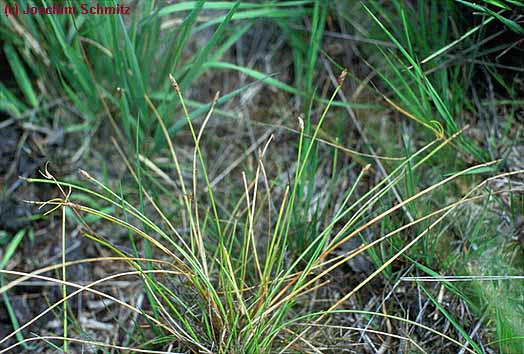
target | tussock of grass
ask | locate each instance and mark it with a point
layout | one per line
(235, 294)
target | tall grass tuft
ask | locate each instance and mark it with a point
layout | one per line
(223, 287)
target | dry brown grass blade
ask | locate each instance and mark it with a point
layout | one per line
(17, 281)
(81, 288)
(120, 222)
(87, 342)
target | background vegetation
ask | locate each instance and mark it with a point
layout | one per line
(272, 176)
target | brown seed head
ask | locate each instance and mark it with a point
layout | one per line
(174, 83)
(342, 77)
